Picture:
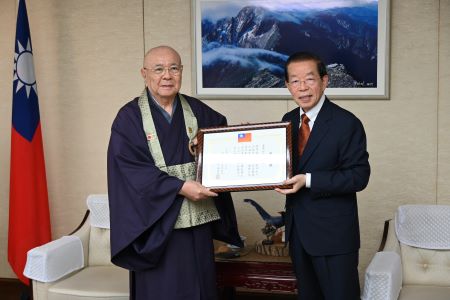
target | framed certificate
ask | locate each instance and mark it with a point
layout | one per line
(244, 157)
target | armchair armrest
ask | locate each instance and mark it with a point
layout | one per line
(55, 259)
(383, 279)
(390, 238)
(83, 231)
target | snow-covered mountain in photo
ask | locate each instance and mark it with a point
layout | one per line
(248, 46)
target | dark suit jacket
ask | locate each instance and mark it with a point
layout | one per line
(326, 215)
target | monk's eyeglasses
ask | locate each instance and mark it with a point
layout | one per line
(159, 70)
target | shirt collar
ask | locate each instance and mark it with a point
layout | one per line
(166, 115)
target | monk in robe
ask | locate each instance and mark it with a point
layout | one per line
(163, 222)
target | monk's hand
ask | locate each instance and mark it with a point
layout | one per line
(298, 182)
(193, 146)
(194, 191)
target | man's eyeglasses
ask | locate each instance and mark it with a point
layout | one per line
(308, 81)
(173, 70)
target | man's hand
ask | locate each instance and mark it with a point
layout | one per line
(298, 182)
(194, 191)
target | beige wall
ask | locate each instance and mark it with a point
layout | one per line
(87, 56)
(443, 117)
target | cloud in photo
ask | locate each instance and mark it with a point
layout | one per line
(246, 57)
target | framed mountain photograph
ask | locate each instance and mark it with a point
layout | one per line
(241, 46)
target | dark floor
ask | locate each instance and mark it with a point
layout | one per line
(13, 290)
(264, 296)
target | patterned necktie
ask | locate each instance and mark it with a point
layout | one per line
(303, 134)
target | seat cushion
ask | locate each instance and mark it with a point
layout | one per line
(95, 282)
(421, 292)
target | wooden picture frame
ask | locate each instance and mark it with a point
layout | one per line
(241, 46)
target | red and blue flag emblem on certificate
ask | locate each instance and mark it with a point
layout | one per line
(244, 137)
(29, 217)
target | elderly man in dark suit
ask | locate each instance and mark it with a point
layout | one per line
(330, 164)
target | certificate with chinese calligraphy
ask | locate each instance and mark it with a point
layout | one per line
(244, 157)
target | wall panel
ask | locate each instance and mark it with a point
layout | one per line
(444, 104)
(87, 56)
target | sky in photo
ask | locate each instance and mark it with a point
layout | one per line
(215, 10)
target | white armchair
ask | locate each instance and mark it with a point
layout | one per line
(414, 258)
(79, 266)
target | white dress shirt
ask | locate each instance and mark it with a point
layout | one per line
(312, 115)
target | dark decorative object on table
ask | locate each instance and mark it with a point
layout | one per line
(272, 222)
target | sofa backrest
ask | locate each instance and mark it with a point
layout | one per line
(425, 266)
(424, 235)
(99, 240)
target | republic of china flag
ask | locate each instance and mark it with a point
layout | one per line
(29, 218)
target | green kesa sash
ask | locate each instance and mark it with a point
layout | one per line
(191, 213)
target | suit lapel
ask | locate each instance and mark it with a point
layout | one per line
(294, 117)
(318, 132)
(295, 126)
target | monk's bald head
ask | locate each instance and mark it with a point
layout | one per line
(161, 51)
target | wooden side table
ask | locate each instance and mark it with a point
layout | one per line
(257, 272)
